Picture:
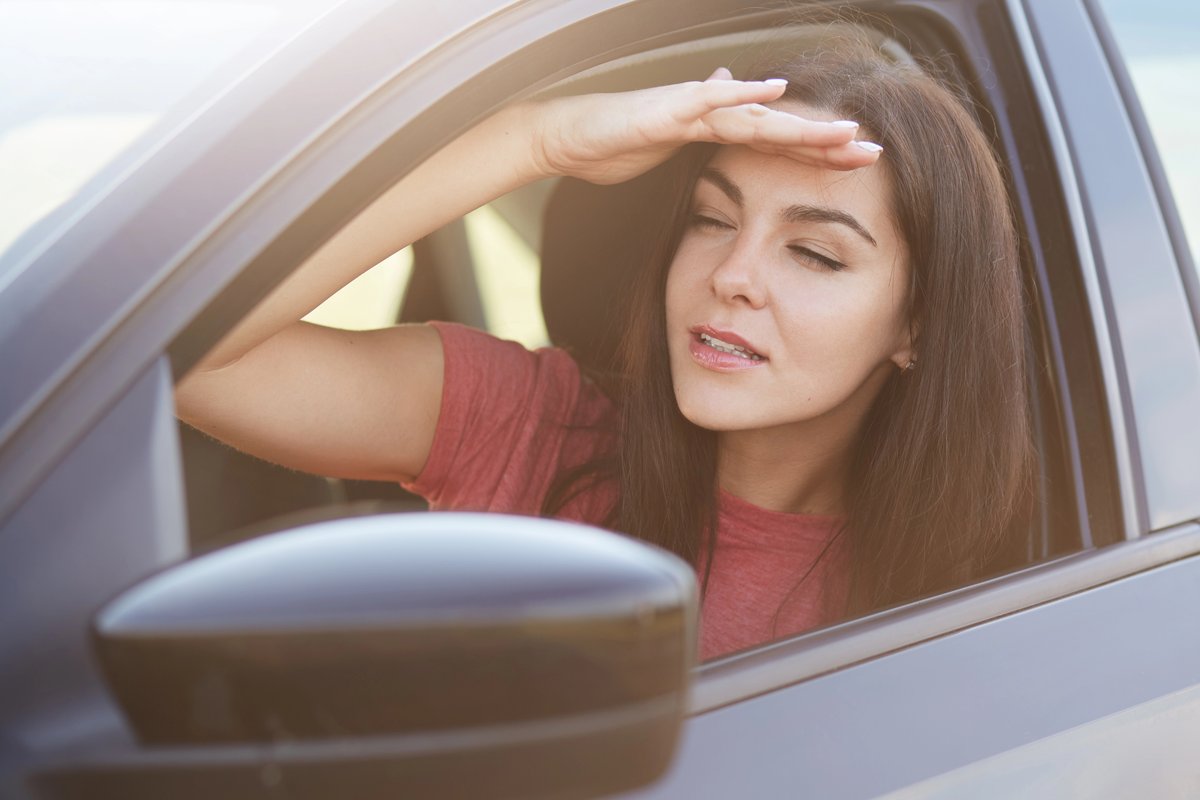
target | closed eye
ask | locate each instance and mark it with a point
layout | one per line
(699, 220)
(812, 256)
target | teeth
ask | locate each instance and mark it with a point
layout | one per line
(726, 347)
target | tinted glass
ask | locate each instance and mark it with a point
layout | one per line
(1160, 40)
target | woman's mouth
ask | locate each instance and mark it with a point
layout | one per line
(726, 347)
(722, 353)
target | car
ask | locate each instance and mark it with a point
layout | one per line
(179, 620)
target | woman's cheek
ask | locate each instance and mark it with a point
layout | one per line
(833, 344)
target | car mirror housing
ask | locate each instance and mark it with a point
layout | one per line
(474, 647)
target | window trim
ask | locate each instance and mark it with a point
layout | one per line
(1130, 496)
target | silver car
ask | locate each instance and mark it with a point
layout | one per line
(182, 621)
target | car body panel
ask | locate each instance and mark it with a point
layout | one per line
(943, 704)
(109, 514)
(1145, 751)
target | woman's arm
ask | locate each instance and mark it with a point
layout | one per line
(365, 404)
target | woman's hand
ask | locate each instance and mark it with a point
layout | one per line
(609, 138)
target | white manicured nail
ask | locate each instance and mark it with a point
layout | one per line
(776, 81)
(870, 147)
(844, 123)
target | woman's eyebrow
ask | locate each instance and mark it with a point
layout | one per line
(722, 182)
(796, 213)
(806, 213)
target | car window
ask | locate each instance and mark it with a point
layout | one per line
(1160, 42)
(505, 265)
(507, 268)
(503, 242)
(372, 300)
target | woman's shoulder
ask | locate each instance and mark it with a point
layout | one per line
(511, 419)
(547, 378)
(466, 342)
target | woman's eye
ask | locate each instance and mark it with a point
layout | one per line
(818, 259)
(703, 221)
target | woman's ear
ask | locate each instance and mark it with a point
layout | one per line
(905, 357)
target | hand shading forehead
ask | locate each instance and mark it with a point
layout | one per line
(875, 180)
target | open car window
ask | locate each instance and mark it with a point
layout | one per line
(485, 271)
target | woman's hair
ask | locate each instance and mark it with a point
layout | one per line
(942, 467)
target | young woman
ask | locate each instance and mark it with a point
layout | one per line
(820, 398)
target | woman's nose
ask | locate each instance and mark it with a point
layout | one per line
(738, 277)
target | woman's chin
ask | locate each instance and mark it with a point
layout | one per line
(716, 417)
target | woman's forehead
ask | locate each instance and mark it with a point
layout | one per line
(768, 183)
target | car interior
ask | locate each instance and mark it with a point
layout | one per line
(584, 237)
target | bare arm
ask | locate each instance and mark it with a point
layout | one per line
(365, 404)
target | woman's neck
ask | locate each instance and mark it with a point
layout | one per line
(781, 471)
(800, 467)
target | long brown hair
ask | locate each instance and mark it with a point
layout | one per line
(943, 464)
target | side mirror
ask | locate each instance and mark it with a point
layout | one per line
(437, 654)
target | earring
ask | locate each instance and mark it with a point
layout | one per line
(910, 366)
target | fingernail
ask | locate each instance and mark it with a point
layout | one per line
(870, 147)
(844, 123)
(776, 81)
(758, 109)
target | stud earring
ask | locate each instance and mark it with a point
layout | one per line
(910, 366)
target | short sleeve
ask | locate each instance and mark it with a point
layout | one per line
(506, 423)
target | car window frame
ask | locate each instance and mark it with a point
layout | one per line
(995, 595)
(249, 286)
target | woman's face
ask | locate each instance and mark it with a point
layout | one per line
(803, 270)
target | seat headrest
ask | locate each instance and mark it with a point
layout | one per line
(594, 239)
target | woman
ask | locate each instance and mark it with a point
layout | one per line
(821, 396)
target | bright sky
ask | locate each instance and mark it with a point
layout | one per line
(82, 80)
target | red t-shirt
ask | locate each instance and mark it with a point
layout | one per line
(511, 419)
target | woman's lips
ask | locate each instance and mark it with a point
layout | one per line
(710, 349)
